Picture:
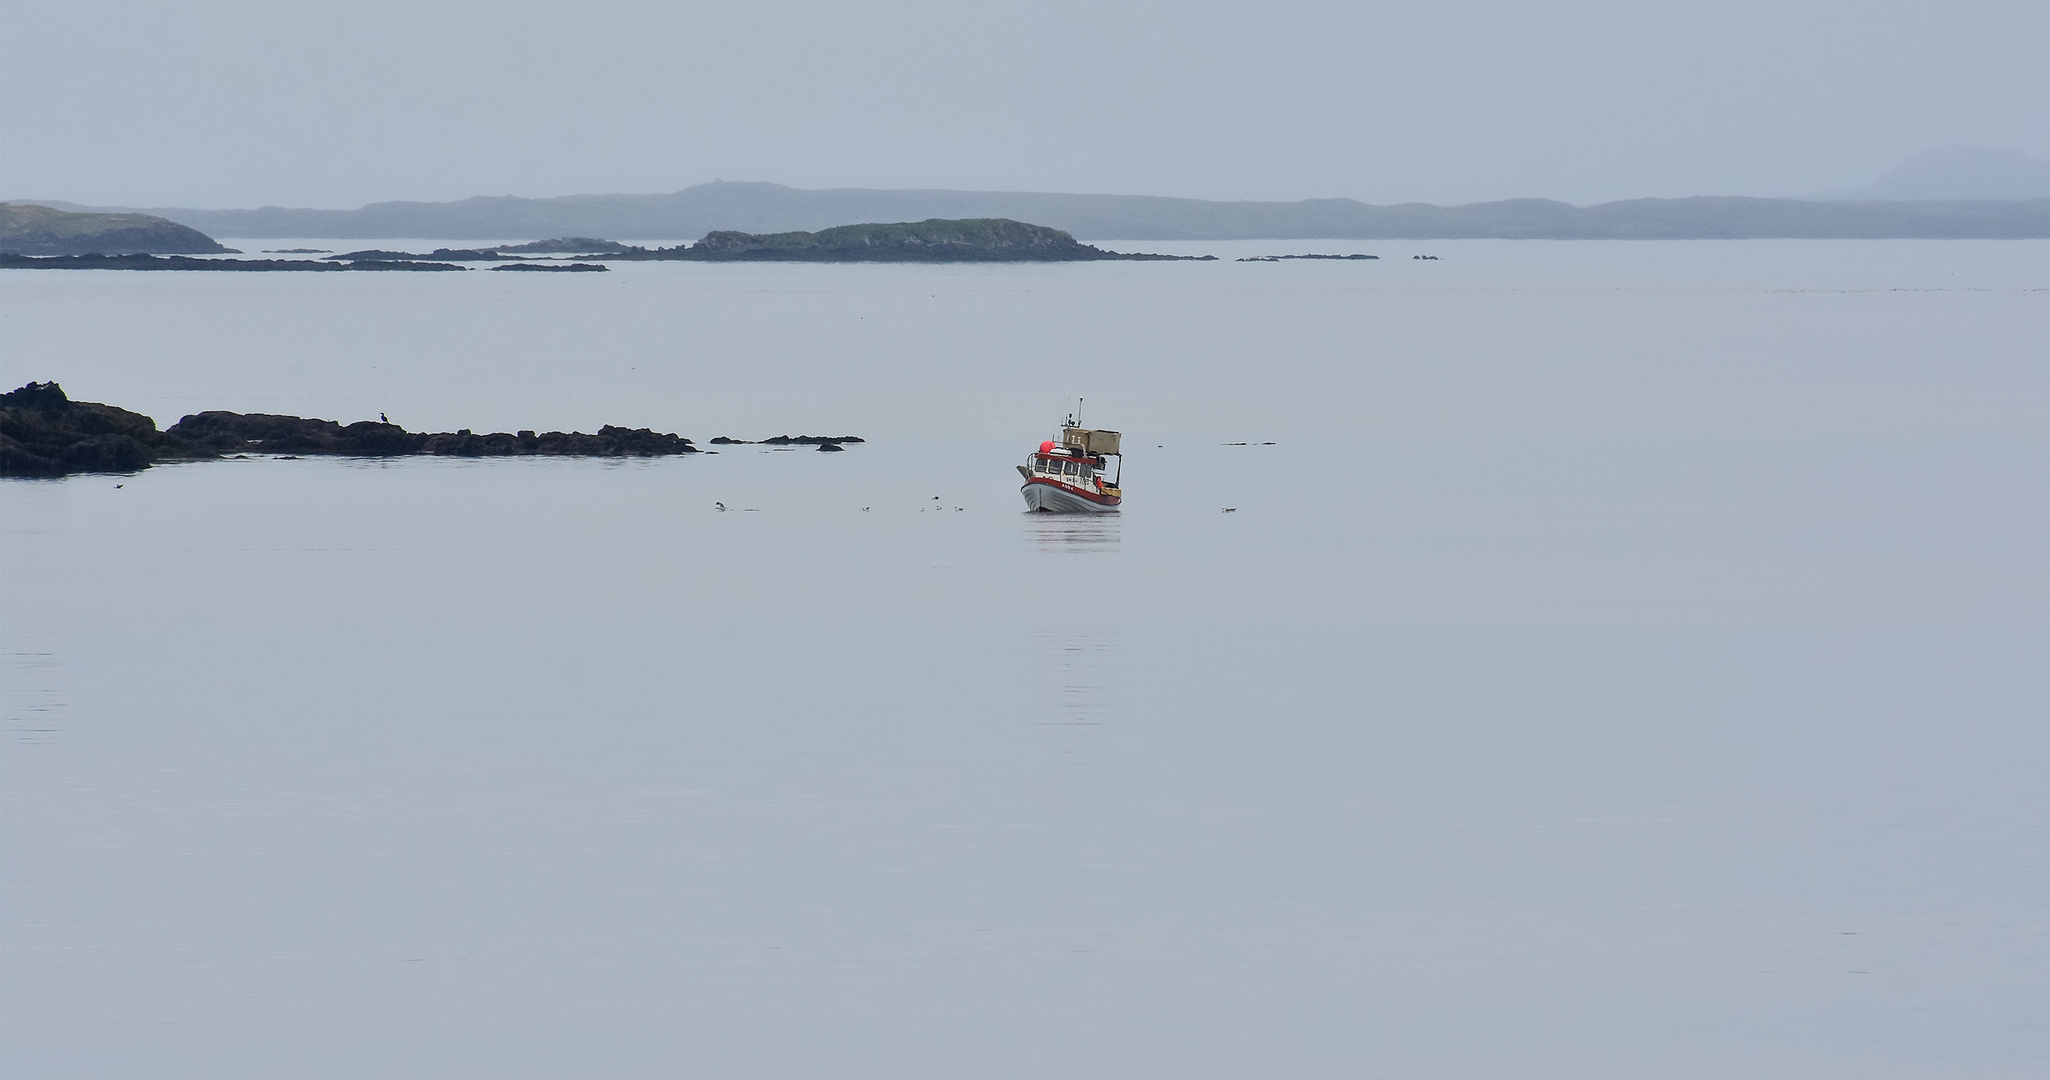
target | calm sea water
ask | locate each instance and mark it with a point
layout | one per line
(1627, 660)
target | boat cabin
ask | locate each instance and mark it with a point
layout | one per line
(1081, 459)
(1065, 464)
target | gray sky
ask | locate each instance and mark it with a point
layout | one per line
(222, 104)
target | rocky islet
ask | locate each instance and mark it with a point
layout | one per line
(28, 229)
(43, 433)
(937, 240)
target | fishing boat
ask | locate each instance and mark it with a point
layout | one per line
(1073, 476)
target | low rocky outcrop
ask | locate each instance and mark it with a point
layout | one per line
(511, 262)
(610, 441)
(43, 433)
(568, 245)
(267, 433)
(1285, 258)
(184, 262)
(26, 229)
(437, 255)
(811, 440)
(263, 433)
(934, 241)
(790, 440)
(555, 268)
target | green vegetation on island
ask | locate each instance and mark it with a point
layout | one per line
(26, 229)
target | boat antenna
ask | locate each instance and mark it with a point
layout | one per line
(1078, 412)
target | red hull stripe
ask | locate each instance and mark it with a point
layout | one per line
(1092, 496)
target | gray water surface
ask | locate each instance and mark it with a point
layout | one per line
(1627, 660)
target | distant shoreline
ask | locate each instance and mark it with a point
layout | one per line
(10, 261)
(764, 208)
(977, 240)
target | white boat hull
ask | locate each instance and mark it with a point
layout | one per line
(1040, 495)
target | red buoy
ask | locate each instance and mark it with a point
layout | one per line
(1046, 447)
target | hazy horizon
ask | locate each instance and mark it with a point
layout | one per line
(233, 104)
(1882, 189)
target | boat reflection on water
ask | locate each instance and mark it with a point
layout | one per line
(1075, 534)
(1075, 646)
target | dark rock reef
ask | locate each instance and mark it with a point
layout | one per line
(790, 440)
(438, 255)
(263, 433)
(934, 241)
(26, 229)
(574, 245)
(1285, 258)
(182, 262)
(43, 433)
(555, 268)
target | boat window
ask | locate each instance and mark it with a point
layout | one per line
(1070, 468)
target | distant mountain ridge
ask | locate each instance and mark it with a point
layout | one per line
(1957, 172)
(759, 207)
